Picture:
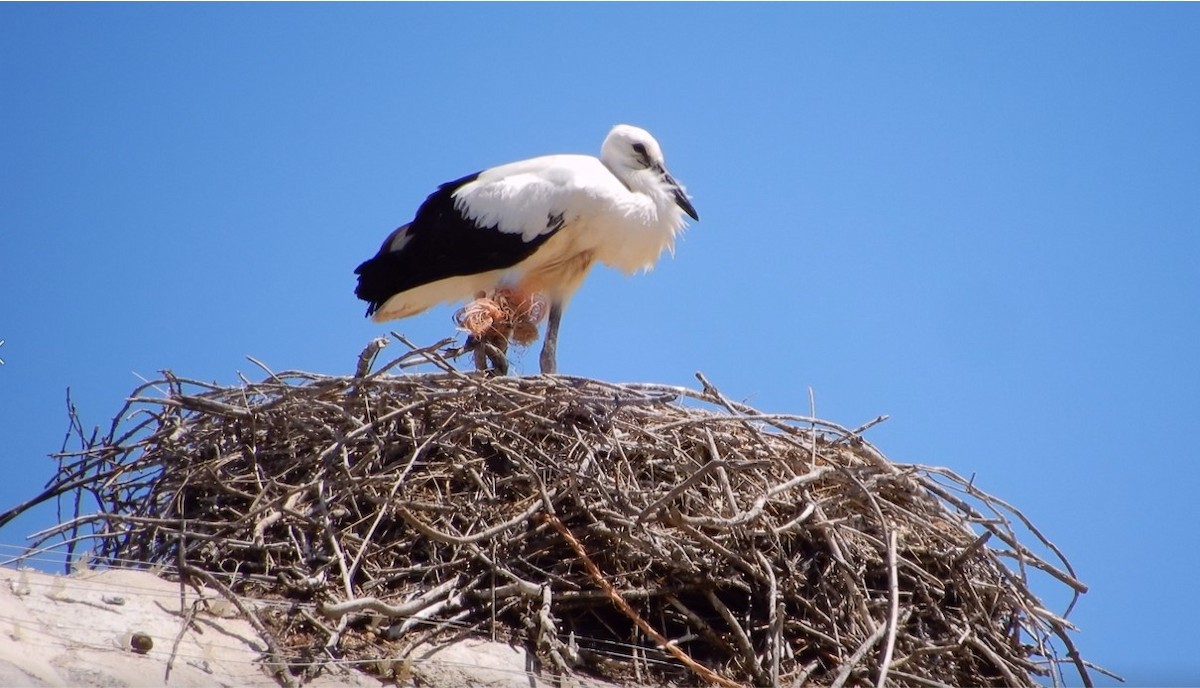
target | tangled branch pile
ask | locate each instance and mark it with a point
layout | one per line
(633, 531)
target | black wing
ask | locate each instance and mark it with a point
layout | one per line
(440, 242)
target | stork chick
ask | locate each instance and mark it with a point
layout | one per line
(536, 226)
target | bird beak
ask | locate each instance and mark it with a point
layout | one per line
(681, 198)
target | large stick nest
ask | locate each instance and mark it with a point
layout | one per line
(631, 531)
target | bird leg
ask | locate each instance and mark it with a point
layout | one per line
(475, 346)
(549, 356)
(489, 348)
(496, 349)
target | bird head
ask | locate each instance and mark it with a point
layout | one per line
(635, 158)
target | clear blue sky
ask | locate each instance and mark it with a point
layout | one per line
(983, 220)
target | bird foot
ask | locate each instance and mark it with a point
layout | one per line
(486, 351)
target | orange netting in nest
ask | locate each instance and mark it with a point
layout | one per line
(508, 314)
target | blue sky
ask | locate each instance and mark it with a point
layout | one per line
(982, 220)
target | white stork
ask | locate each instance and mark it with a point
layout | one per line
(537, 225)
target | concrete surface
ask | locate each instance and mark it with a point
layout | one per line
(79, 630)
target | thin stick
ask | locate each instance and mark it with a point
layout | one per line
(280, 663)
(700, 670)
(889, 644)
(850, 664)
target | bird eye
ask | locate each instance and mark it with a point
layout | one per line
(642, 154)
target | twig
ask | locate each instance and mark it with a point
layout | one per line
(495, 530)
(740, 639)
(889, 644)
(701, 671)
(774, 621)
(851, 663)
(363, 604)
(279, 662)
(186, 623)
(367, 358)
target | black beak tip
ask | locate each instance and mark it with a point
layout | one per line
(682, 201)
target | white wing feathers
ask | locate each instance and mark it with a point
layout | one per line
(553, 186)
